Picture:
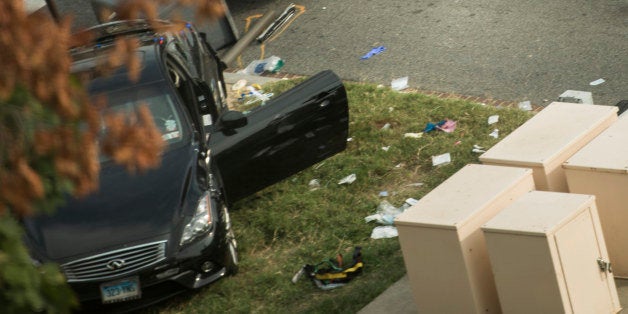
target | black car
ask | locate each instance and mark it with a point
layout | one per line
(143, 237)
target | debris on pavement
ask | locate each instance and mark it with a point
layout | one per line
(257, 67)
(348, 179)
(493, 119)
(597, 82)
(333, 272)
(239, 85)
(399, 84)
(374, 51)
(283, 20)
(441, 159)
(576, 97)
(525, 105)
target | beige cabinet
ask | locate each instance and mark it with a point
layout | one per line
(601, 168)
(549, 138)
(548, 256)
(443, 246)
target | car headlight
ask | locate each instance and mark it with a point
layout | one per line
(200, 223)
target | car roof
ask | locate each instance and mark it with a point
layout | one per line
(87, 59)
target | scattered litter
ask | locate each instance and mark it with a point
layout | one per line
(446, 125)
(441, 159)
(349, 139)
(525, 105)
(332, 273)
(391, 109)
(417, 184)
(399, 166)
(457, 143)
(239, 85)
(597, 82)
(400, 83)
(384, 232)
(385, 148)
(478, 150)
(271, 64)
(413, 135)
(324, 8)
(383, 193)
(576, 97)
(348, 179)
(314, 184)
(374, 51)
(493, 119)
(411, 201)
(386, 212)
(386, 126)
(494, 134)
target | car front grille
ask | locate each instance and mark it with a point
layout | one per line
(114, 263)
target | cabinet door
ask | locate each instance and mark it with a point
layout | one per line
(578, 248)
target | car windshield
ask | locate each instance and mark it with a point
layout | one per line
(162, 107)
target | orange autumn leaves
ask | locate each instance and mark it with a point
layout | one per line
(49, 128)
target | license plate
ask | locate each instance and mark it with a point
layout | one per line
(121, 290)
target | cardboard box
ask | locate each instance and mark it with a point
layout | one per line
(548, 139)
(601, 168)
(548, 255)
(443, 246)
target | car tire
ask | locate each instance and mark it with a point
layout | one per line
(231, 258)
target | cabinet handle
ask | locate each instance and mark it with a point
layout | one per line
(604, 265)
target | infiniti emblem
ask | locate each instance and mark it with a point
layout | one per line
(115, 264)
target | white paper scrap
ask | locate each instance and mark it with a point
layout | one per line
(493, 119)
(400, 83)
(441, 159)
(597, 82)
(383, 232)
(525, 105)
(494, 134)
(348, 179)
(413, 135)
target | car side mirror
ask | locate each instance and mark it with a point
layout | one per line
(232, 120)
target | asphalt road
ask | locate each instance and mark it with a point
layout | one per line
(510, 50)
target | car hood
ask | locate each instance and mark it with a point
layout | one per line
(127, 208)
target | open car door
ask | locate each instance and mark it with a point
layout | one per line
(301, 127)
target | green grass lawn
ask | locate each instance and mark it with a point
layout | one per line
(287, 225)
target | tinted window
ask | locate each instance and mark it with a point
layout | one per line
(170, 121)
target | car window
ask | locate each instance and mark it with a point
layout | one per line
(184, 88)
(171, 123)
(161, 108)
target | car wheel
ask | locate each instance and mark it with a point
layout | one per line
(231, 259)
